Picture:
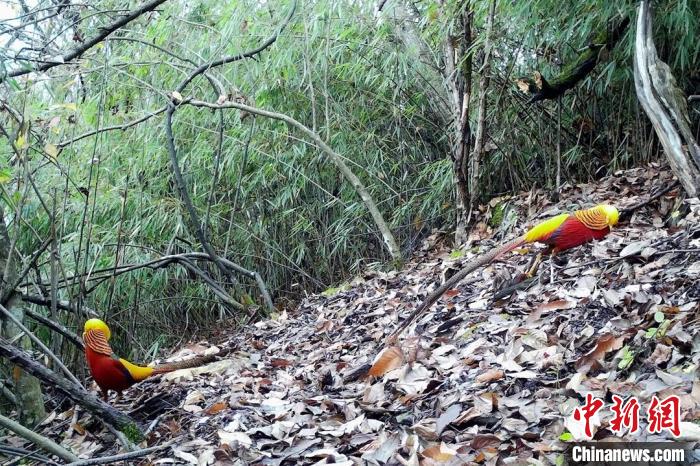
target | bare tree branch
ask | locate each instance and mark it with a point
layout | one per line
(40, 441)
(63, 305)
(121, 457)
(103, 33)
(172, 150)
(55, 326)
(41, 345)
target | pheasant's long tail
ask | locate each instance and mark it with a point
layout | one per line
(453, 280)
(186, 364)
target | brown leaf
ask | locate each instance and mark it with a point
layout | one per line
(257, 344)
(605, 344)
(485, 440)
(216, 407)
(173, 426)
(451, 293)
(556, 305)
(523, 85)
(388, 360)
(439, 453)
(279, 362)
(490, 375)
(78, 428)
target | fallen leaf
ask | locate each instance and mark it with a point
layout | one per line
(388, 360)
(235, 439)
(279, 362)
(490, 375)
(584, 287)
(449, 415)
(604, 345)
(439, 452)
(216, 407)
(556, 305)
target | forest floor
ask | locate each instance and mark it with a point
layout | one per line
(477, 380)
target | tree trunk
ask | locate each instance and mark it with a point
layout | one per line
(665, 105)
(27, 389)
(458, 78)
(475, 161)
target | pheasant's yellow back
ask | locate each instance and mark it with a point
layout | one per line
(544, 229)
(138, 373)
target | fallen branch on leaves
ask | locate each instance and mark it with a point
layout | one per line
(627, 211)
(79, 395)
(122, 457)
(40, 441)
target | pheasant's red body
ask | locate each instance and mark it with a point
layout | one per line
(109, 373)
(567, 231)
(573, 233)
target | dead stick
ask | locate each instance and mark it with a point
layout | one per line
(451, 282)
(124, 456)
(627, 211)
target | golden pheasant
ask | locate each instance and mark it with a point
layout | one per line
(561, 232)
(114, 373)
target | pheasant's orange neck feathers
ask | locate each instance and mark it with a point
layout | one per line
(97, 341)
(594, 218)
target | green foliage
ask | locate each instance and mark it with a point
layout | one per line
(626, 359)
(336, 289)
(497, 214)
(457, 254)
(132, 433)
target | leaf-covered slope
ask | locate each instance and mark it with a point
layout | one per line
(475, 379)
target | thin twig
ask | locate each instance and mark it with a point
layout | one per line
(628, 210)
(121, 457)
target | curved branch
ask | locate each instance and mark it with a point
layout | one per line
(575, 72)
(125, 126)
(249, 54)
(55, 326)
(63, 305)
(172, 150)
(160, 262)
(349, 175)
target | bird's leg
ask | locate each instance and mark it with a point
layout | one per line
(104, 394)
(551, 269)
(553, 252)
(534, 265)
